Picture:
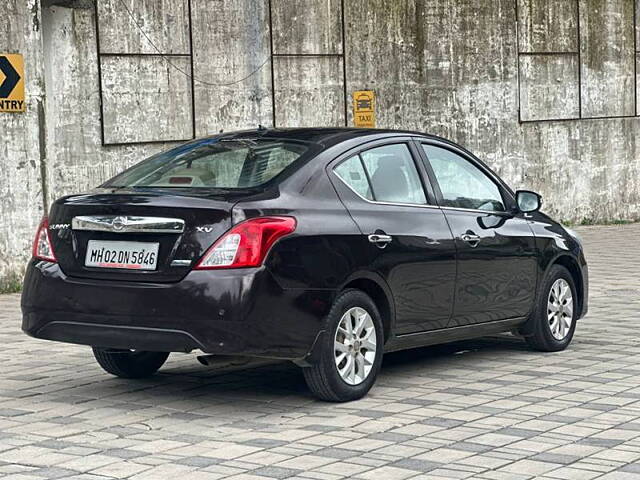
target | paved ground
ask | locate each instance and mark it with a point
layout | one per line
(488, 409)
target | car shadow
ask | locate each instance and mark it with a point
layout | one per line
(240, 393)
(445, 351)
(267, 381)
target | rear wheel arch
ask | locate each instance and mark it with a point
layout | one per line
(354, 326)
(380, 295)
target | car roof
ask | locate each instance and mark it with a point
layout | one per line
(325, 136)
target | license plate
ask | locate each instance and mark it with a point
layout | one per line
(126, 255)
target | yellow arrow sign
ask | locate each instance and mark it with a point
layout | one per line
(12, 83)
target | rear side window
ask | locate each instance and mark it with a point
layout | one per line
(214, 163)
(352, 173)
(384, 174)
(393, 174)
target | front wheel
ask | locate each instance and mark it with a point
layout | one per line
(129, 363)
(555, 315)
(350, 351)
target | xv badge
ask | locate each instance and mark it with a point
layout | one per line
(11, 83)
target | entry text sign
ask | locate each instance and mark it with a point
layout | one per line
(11, 83)
(364, 109)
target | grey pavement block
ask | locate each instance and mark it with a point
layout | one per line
(419, 401)
(517, 432)
(417, 465)
(276, 472)
(392, 437)
(555, 458)
(560, 419)
(472, 447)
(12, 412)
(339, 453)
(265, 443)
(319, 428)
(54, 472)
(372, 413)
(123, 453)
(56, 444)
(600, 442)
(631, 468)
(199, 462)
(186, 438)
(442, 422)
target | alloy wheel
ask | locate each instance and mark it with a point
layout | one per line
(355, 346)
(560, 309)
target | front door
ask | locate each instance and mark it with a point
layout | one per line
(408, 240)
(496, 249)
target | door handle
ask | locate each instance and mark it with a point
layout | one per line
(380, 240)
(471, 238)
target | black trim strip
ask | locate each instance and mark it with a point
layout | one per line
(451, 334)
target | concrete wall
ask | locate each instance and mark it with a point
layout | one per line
(465, 69)
(22, 142)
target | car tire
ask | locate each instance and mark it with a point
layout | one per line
(361, 364)
(129, 363)
(544, 320)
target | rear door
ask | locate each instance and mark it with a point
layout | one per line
(409, 242)
(496, 248)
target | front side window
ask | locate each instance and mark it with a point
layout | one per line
(463, 185)
(214, 163)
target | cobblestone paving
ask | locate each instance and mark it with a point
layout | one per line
(486, 409)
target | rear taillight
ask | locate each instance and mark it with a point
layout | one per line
(42, 247)
(246, 244)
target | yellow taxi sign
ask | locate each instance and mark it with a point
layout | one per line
(364, 113)
(11, 83)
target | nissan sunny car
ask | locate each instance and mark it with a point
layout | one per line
(326, 247)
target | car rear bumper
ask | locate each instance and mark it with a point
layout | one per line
(227, 312)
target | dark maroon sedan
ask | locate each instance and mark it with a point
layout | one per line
(326, 247)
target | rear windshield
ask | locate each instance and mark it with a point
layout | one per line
(214, 163)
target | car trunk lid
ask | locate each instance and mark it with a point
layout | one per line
(176, 228)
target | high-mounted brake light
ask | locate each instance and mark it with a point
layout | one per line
(42, 247)
(246, 244)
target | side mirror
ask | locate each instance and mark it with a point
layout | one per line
(528, 201)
